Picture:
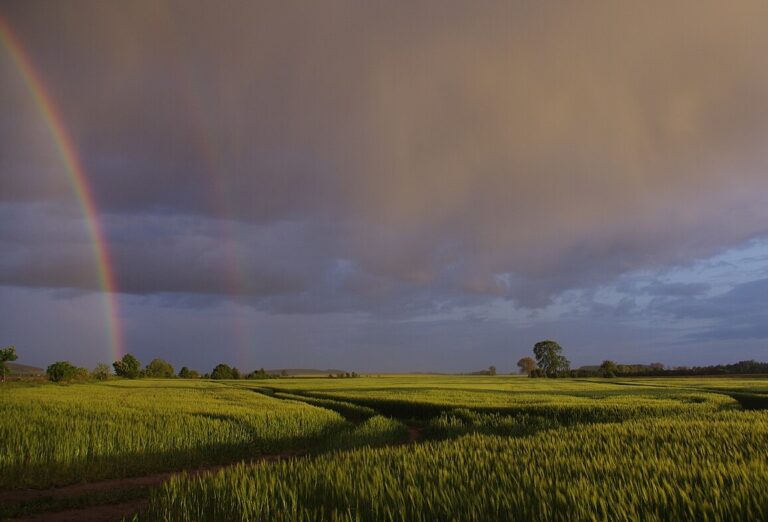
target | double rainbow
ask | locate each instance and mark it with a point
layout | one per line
(77, 177)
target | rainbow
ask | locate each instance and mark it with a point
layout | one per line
(77, 178)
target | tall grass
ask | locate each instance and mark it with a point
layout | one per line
(691, 467)
(51, 435)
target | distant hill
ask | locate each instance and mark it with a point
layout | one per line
(304, 372)
(23, 369)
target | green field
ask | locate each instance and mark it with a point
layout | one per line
(502, 447)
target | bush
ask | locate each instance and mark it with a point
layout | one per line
(101, 372)
(129, 366)
(61, 371)
(186, 373)
(222, 371)
(159, 368)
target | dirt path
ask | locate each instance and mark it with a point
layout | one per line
(414, 434)
(103, 513)
(115, 511)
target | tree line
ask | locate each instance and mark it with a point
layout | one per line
(129, 367)
(549, 362)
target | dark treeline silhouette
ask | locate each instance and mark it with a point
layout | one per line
(750, 367)
(549, 362)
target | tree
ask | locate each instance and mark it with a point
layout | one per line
(608, 369)
(657, 366)
(101, 372)
(236, 373)
(186, 373)
(129, 366)
(6, 354)
(261, 373)
(526, 365)
(65, 371)
(221, 371)
(159, 368)
(549, 358)
(491, 370)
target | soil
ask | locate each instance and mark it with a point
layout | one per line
(414, 434)
(103, 513)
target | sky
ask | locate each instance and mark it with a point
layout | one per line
(387, 186)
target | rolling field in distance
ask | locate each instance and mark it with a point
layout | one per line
(501, 447)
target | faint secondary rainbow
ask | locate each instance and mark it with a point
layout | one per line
(77, 178)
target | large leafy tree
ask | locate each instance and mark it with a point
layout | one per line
(6, 354)
(159, 368)
(608, 368)
(129, 366)
(65, 371)
(550, 359)
(526, 365)
(222, 371)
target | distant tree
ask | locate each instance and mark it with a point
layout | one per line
(491, 370)
(236, 373)
(6, 354)
(284, 373)
(550, 359)
(159, 368)
(261, 373)
(186, 373)
(101, 372)
(222, 371)
(129, 367)
(526, 365)
(64, 371)
(657, 366)
(608, 368)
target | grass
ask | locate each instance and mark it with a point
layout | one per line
(54, 435)
(497, 447)
(680, 468)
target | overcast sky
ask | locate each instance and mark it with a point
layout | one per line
(388, 186)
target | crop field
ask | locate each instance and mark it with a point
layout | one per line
(482, 448)
(53, 435)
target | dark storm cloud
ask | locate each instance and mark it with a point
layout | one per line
(360, 156)
(738, 314)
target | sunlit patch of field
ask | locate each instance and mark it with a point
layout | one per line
(61, 434)
(711, 467)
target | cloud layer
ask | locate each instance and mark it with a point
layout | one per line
(385, 158)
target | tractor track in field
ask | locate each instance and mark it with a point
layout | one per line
(110, 510)
(115, 510)
(100, 513)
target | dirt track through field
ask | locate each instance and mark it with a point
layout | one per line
(114, 511)
(103, 513)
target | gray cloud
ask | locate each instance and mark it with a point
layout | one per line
(352, 156)
(738, 314)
